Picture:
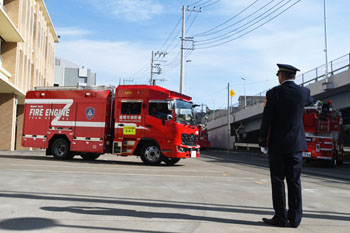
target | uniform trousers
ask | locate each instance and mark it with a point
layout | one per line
(286, 166)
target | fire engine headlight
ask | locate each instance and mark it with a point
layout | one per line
(181, 149)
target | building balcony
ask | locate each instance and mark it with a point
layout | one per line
(8, 30)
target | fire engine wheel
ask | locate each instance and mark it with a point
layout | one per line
(333, 163)
(89, 156)
(340, 161)
(170, 161)
(61, 149)
(341, 158)
(150, 154)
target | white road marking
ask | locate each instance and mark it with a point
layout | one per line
(128, 174)
(310, 190)
(114, 168)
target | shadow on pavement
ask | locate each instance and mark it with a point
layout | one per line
(77, 159)
(257, 160)
(26, 224)
(261, 211)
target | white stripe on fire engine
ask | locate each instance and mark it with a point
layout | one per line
(87, 139)
(35, 136)
(326, 149)
(323, 157)
(80, 124)
(314, 136)
(117, 125)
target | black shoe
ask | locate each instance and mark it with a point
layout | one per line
(293, 225)
(273, 222)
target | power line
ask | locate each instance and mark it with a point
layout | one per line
(211, 4)
(233, 17)
(227, 27)
(225, 42)
(207, 2)
(230, 33)
(195, 3)
(194, 19)
(177, 24)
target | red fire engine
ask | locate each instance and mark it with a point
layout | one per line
(323, 131)
(203, 139)
(149, 121)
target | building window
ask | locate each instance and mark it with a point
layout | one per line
(57, 62)
(83, 81)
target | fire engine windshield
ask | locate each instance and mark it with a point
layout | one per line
(184, 112)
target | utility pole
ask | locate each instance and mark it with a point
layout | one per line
(183, 39)
(228, 118)
(182, 48)
(156, 58)
(245, 97)
(152, 61)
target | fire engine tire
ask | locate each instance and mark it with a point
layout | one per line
(61, 149)
(340, 161)
(333, 163)
(150, 154)
(89, 156)
(170, 161)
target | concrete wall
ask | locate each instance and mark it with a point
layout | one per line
(7, 121)
(251, 116)
(19, 130)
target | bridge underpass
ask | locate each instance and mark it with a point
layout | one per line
(245, 122)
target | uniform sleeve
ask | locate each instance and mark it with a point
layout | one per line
(267, 119)
(310, 99)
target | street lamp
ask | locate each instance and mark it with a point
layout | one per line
(245, 97)
(325, 39)
(187, 61)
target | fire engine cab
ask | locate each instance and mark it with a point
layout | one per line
(323, 131)
(148, 121)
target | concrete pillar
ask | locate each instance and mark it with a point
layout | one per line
(7, 121)
(20, 115)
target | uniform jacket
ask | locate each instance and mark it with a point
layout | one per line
(282, 127)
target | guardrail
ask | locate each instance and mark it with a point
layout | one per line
(247, 145)
(334, 67)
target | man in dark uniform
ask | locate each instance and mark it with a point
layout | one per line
(282, 135)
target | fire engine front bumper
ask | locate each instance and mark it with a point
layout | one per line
(324, 154)
(181, 151)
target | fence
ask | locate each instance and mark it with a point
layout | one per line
(334, 67)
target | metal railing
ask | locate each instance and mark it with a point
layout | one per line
(334, 67)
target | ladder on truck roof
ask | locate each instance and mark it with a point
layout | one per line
(74, 88)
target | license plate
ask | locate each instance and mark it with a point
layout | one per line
(193, 154)
(307, 154)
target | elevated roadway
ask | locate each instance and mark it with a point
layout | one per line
(245, 122)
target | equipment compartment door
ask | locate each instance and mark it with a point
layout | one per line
(89, 127)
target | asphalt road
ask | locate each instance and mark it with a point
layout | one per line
(218, 192)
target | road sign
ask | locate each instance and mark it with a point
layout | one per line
(232, 93)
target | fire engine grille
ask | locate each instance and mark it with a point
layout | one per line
(189, 139)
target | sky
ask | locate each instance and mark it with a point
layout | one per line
(246, 38)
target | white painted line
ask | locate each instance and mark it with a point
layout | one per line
(129, 174)
(114, 168)
(310, 190)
